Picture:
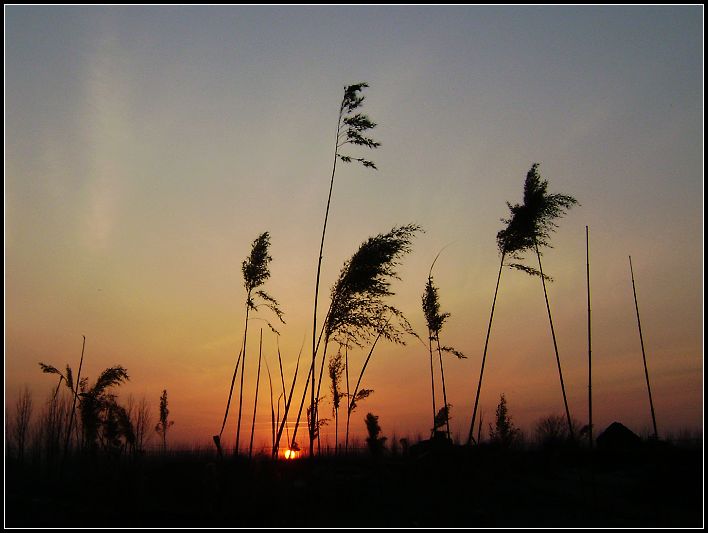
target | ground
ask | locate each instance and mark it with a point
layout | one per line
(456, 487)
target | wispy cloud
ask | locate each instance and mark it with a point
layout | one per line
(108, 132)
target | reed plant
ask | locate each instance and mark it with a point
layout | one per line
(255, 269)
(164, 424)
(336, 369)
(100, 414)
(358, 312)
(435, 320)
(529, 228)
(352, 131)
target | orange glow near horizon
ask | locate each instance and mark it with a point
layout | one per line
(291, 454)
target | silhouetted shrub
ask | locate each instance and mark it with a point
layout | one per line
(375, 443)
(504, 434)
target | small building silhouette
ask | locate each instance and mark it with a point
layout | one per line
(618, 437)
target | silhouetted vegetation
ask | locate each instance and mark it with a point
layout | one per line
(104, 423)
(552, 431)
(21, 426)
(375, 443)
(529, 227)
(435, 320)
(482, 486)
(504, 433)
(255, 273)
(336, 369)
(352, 128)
(164, 424)
(358, 312)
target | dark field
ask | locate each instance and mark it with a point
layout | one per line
(458, 487)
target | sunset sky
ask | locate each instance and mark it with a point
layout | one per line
(147, 147)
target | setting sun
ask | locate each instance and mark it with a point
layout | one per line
(291, 454)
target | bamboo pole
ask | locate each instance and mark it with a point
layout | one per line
(587, 256)
(644, 357)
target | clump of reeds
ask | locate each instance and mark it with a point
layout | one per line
(103, 420)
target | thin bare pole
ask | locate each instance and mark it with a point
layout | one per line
(587, 256)
(641, 340)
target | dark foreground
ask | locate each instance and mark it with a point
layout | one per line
(651, 487)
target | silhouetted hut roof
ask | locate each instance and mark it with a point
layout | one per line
(618, 437)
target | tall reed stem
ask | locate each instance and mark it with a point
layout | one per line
(555, 344)
(287, 406)
(346, 371)
(317, 284)
(73, 405)
(470, 438)
(243, 370)
(442, 376)
(255, 402)
(350, 406)
(432, 378)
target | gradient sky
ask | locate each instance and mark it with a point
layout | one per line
(146, 147)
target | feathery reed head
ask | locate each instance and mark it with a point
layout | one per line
(543, 208)
(255, 267)
(530, 224)
(357, 310)
(431, 309)
(352, 127)
(336, 369)
(255, 273)
(110, 377)
(49, 369)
